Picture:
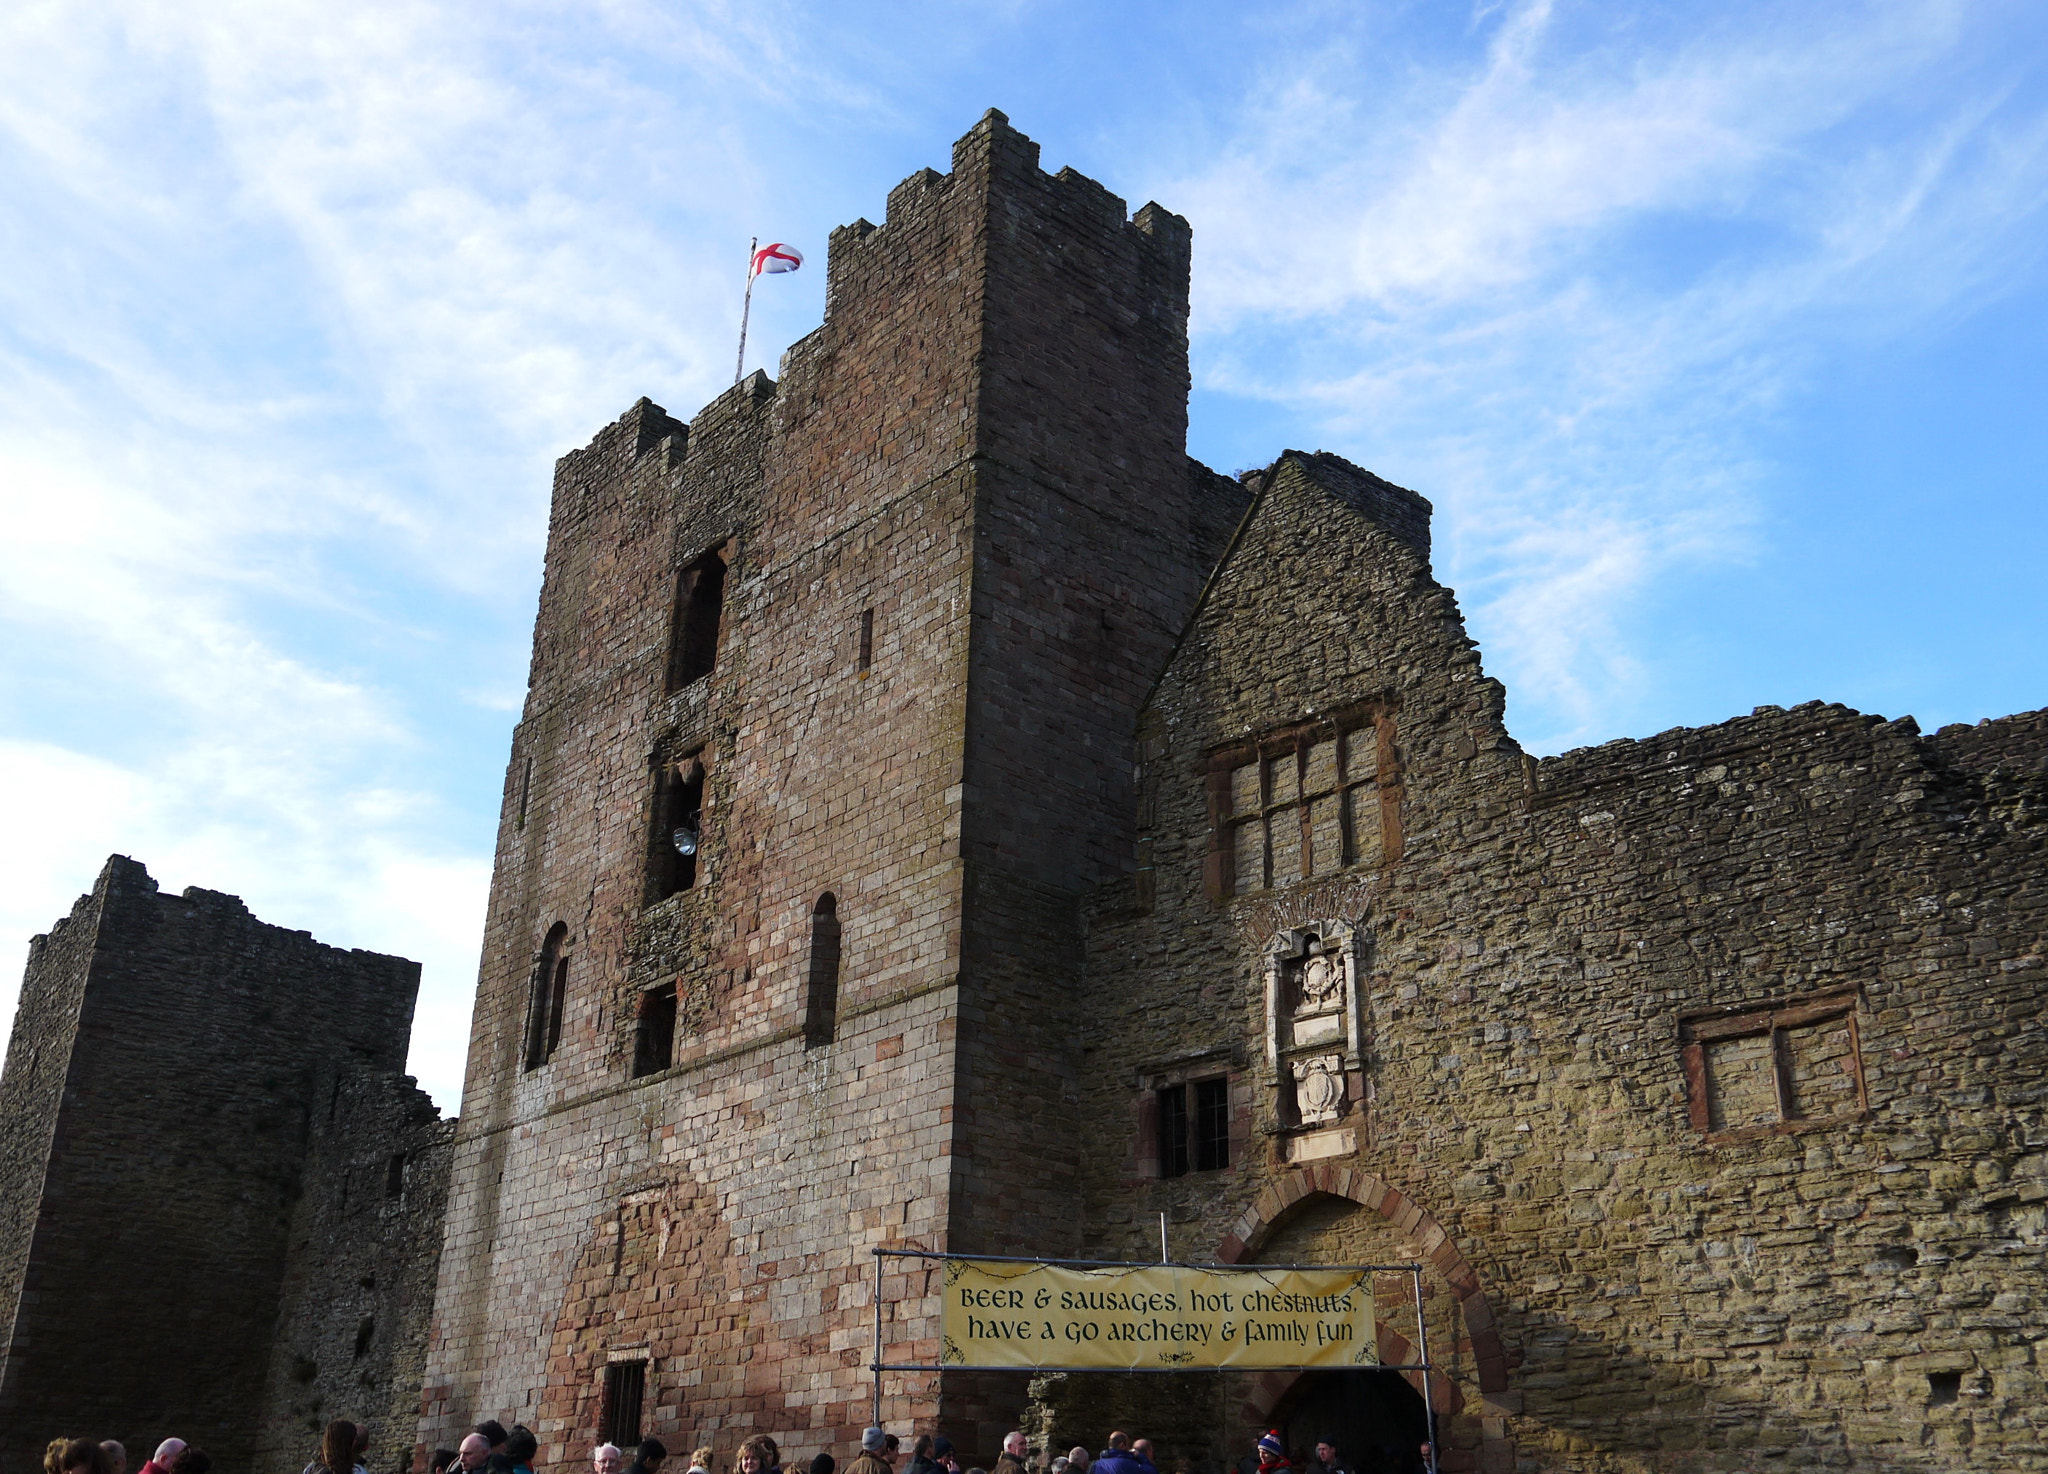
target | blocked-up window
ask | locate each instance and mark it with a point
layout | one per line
(1298, 804)
(1775, 1067)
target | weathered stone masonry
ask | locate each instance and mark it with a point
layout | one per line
(220, 1201)
(945, 815)
(1035, 779)
(958, 538)
(1574, 977)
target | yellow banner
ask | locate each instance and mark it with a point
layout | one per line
(1156, 1316)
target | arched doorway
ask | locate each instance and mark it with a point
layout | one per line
(1375, 1418)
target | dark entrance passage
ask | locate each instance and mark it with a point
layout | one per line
(1375, 1418)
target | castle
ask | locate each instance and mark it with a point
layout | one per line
(945, 815)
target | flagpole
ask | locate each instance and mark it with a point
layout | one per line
(746, 306)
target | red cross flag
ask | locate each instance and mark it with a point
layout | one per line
(776, 258)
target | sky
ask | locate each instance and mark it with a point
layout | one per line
(1714, 333)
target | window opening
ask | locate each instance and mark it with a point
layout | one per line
(544, 1007)
(1173, 1131)
(394, 1176)
(366, 1333)
(1943, 1388)
(1212, 1125)
(625, 1384)
(700, 600)
(525, 793)
(654, 1039)
(867, 639)
(558, 995)
(678, 827)
(1194, 1127)
(821, 993)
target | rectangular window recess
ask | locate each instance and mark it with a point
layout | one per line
(625, 1386)
(654, 1038)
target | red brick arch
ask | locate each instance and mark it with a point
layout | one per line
(1249, 1234)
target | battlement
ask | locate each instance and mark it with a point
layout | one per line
(994, 161)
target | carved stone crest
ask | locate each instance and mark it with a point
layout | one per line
(1318, 1087)
(1314, 1021)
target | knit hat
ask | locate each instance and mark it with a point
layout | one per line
(941, 1446)
(874, 1440)
(824, 1464)
(1271, 1444)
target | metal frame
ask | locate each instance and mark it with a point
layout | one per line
(1414, 1271)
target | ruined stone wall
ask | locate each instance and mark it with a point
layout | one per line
(1703, 1073)
(352, 1314)
(204, 1050)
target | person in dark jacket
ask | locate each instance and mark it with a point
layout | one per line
(1012, 1459)
(921, 1460)
(520, 1447)
(1119, 1459)
(648, 1457)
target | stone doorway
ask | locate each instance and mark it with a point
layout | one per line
(1375, 1418)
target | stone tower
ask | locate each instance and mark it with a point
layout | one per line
(869, 644)
(220, 1200)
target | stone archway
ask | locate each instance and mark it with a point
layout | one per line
(1278, 1202)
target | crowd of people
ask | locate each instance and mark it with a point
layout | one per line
(83, 1456)
(492, 1448)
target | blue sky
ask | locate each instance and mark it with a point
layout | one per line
(1715, 334)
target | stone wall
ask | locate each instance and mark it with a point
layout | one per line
(352, 1315)
(1702, 1073)
(174, 1067)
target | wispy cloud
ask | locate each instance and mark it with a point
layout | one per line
(298, 302)
(1558, 283)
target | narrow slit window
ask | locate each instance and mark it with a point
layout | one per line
(654, 1037)
(867, 639)
(625, 1385)
(544, 1005)
(678, 828)
(699, 607)
(821, 992)
(558, 998)
(394, 1176)
(525, 792)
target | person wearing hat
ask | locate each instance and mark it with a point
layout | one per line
(943, 1455)
(1272, 1454)
(874, 1445)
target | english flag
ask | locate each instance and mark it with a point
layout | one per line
(775, 258)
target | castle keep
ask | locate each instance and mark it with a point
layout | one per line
(946, 816)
